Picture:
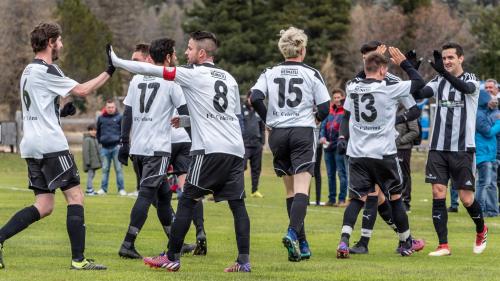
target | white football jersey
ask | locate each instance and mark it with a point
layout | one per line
(213, 101)
(292, 89)
(373, 105)
(153, 101)
(179, 134)
(41, 86)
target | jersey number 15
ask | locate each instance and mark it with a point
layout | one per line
(291, 89)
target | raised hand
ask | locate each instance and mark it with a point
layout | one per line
(396, 56)
(438, 64)
(111, 68)
(411, 56)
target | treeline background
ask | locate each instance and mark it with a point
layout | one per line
(248, 31)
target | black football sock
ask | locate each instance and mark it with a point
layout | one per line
(301, 235)
(369, 218)
(75, 224)
(350, 215)
(385, 212)
(138, 215)
(241, 228)
(400, 219)
(164, 208)
(440, 219)
(180, 227)
(20, 221)
(298, 212)
(476, 215)
(198, 220)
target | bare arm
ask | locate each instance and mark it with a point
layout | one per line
(90, 86)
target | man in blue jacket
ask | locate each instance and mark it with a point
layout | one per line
(487, 126)
(108, 135)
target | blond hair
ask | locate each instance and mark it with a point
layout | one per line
(291, 42)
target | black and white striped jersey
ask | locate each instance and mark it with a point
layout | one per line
(454, 124)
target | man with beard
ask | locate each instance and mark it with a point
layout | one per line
(44, 146)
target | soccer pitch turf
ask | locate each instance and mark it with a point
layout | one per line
(42, 251)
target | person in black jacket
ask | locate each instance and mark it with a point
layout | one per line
(108, 135)
(254, 139)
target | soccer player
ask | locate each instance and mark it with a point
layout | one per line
(180, 160)
(452, 144)
(44, 146)
(380, 204)
(141, 53)
(370, 115)
(216, 167)
(293, 89)
(149, 104)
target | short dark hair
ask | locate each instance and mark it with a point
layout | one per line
(41, 35)
(374, 61)
(451, 45)
(369, 46)
(201, 35)
(160, 48)
(206, 40)
(91, 127)
(110, 101)
(143, 48)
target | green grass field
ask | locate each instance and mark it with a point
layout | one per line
(42, 251)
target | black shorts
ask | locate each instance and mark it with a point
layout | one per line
(459, 166)
(55, 170)
(180, 157)
(151, 170)
(294, 150)
(364, 173)
(218, 173)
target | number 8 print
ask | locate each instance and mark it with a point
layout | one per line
(221, 93)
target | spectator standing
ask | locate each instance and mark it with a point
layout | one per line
(407, 133)
(491, 86)
(487, 126)
(108, 135)
(335, 162)
(91, 160)
(254, 139)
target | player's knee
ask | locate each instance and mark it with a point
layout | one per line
(467, 198)
(438, 191)
(45, 210)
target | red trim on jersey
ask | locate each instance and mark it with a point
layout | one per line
(169, 75)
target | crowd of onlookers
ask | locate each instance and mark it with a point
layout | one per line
(100, 150)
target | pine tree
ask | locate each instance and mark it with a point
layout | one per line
(487, 30)
(249, 31)
(84, 40)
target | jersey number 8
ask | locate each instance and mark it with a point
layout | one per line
(220, 93)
